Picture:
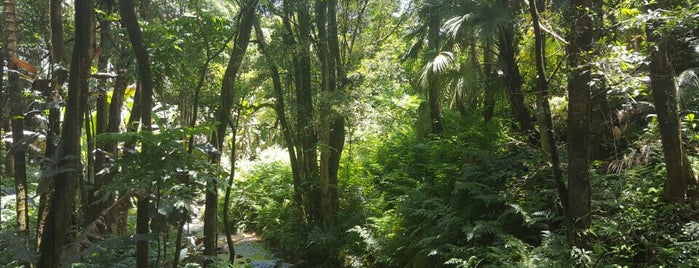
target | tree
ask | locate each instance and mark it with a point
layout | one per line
(130, 22)
(58, 77)
(433, 80)
(507, 44)
(15, 97)
(581, 41)
(246, 18)
(65, 182)
(662, 83)
(547, 140)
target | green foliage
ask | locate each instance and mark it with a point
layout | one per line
(453, 200)
(262, 201)
(14, 250)
(163, 161)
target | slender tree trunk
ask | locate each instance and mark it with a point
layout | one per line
(306, 134)
(65, 183)
(280, 108)
(328, 83)
(58, 77)
(548, 139)
(581, 41)
(489, 92)
(3, 103)
(507, 45)
(336, 142)
(95, 204)
(130, 22)
(246, 20)
(662, 83)
(16, 99)
(293, 139)
(433, 80)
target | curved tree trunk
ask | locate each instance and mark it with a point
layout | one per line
(130, 22)
(280, 109)
(65, 183)
(548, 139)
(246, 20)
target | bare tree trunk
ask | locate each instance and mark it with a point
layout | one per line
(246, 20)
(58, 77)
(336, 142)
(65, 183)
(95, 204)
(18, 150)
(280, 108)
(548, 139)
(679, 173)
(433, 80)
(292, 136)
(581, 41)
(507, 45)
(130, 22)
(489, 77)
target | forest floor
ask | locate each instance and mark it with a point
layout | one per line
(251, 250)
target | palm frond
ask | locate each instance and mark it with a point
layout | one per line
(440, 64)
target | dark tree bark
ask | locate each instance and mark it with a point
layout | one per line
(246, 20)
(336, 139)
(489, 78)
(95, 203)
(130, 22)
(3, 103)
(58, 77)
(433, 80)
(16, 103)
(280, 109)
(297, 161)
(507, 47)
(328, 168)
(65, 183)
(581, 41)
(548, 139)
(306, 135)
(662, 82)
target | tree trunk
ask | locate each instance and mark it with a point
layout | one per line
(65, 183)
(433, 80)
(489, 78)
(336, 142)
(507, 45)
(280, 109)
(58, 77)
(95, 204)
(581, 41)
(242, 39)
(293, 137)
(548, 139)
(15, 96)
(130, 22)
(662, 83)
